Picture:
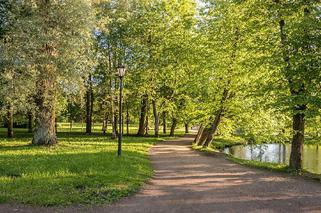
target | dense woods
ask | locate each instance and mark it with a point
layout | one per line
(246, 68)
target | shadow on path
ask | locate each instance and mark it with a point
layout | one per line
(188, 181)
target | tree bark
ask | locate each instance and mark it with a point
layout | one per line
(199, 133)
(173, 127)
(207, 136)
(142, 119)
(10, 121)
(89, 106)
(113, 120)
(156, 119)
(45, 131)
(30, 122)
(105, 124)
(297, 142)
(203, 136)
(56, 124)
(164, 123)
(186, 128)
(116, 124)
(112, 110)
(212, 129)
(296, 89)
(127, 120)
(147, 121)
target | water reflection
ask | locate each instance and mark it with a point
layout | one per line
(278, 153)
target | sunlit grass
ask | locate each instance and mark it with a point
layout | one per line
(82, 169)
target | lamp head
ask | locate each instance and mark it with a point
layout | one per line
(121, 71)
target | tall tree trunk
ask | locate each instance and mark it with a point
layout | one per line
(164, 123)
(147, 121)
(127, 119)
(213, 128)
(297, 89)
(156, 119)
(89, 106)
(112, 113)
(45, 131)
(105, 124)
(10, 121)
(111, 96)
(199, 133)
(143, 111)
(186, 128)
(203, 136)
(30, 122)
(116, 124)
(56, 124)
(173, 127)
(297, 142)
(207, 135)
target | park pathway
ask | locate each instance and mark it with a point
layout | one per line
(187, 181)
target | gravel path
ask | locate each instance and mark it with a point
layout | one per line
(188, 181)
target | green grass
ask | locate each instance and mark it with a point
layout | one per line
(220, 142)
(261, 165)
(81, 169)
(275, 168)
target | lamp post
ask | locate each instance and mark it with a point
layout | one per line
(121, 73)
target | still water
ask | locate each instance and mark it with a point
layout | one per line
(278, 153)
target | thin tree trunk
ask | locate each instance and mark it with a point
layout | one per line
(208, 133)
(164, 123)
(116, 121)
(213, 129)
(199, 133)
(127, 120)
(112, 110)
(147, 121)
(30, 122)
(156, 119)
(10, 121)
(116, 124)
(56, 125)
(113, 120)
(186, 128)
(203, 136)
(105, 124)
(173, 127)
(89, 106)
(143, 111)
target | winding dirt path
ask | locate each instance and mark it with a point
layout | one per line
(187, 181)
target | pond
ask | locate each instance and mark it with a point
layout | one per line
(278, 153)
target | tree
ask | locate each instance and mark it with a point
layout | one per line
(54, 41)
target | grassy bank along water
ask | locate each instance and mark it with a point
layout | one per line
(220, 143)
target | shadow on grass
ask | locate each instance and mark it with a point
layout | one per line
(82, 170)
(63, 179)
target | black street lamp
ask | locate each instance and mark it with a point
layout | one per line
(121, 73)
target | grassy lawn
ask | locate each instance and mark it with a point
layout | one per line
(220, 143)
(81, 169)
